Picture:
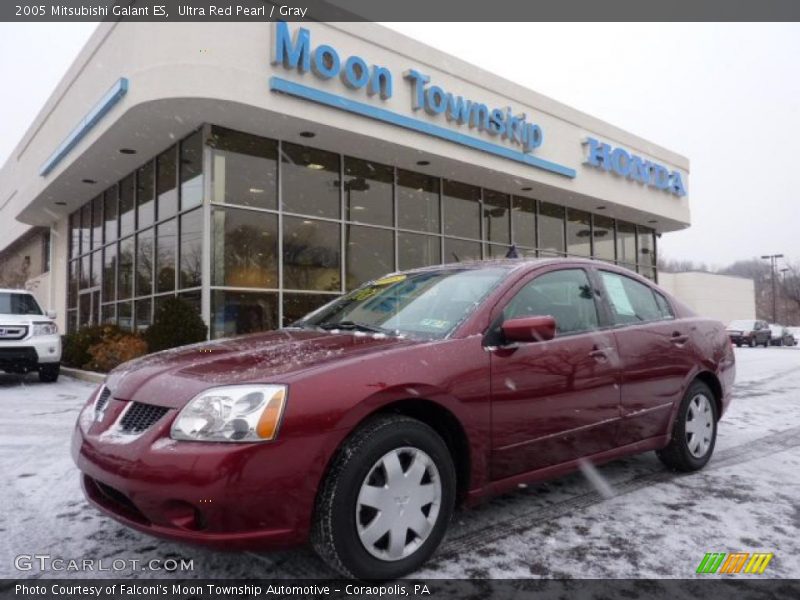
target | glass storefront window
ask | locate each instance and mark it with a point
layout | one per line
(370, 254)
(125, 315)
(166, 239)
(192, 171)
(97, 222)
(86, 228)
(110, 273)
(311, 255)
(166, 173)
(368, 192)
(523, 221)
(142, 314)
(235, 313)
(85, 272)
(495, 251)
(125, 268)
(97, 268)
(191, 248)
(145, 195)
(626, 242)
(579, 232)
(417, 250)
(647, 255)
(310, 181)
(110, 211)
(72, 284)
(144, 262)
(84, 310)
(603, 233)
(75, 234)
(108, 313)
(417, 202)
(244, 249)
(496, 217)
(461, 250)
(297, 306)
(551, 228)
(243, 169)
(462, 209)
(193, 298)
(127, 214)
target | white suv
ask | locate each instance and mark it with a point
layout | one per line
(29, 339)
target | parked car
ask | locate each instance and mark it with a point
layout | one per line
(749, 332)
(780, 335)
(363, 425)
(795, 331)
(29, 339)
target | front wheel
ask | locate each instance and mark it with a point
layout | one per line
(694, 433)
(385, 504)
(752, 342)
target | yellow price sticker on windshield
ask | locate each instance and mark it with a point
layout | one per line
(390, 280)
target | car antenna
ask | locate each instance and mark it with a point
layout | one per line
(512, 252)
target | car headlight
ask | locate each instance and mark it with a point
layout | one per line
(232, 413)
(45, 328)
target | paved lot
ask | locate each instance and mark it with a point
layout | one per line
(656, 523)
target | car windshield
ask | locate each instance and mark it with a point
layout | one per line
(18, 304)
(742, 325)
(426, 304)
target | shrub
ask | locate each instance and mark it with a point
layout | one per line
(75, 346)
(113, 350)
(175, 323)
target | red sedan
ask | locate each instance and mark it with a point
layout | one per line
(362, 426)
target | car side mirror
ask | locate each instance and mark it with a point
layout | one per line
(529, 329)
(51, 314)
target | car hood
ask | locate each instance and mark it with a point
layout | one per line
(171, 378)
(21, 319)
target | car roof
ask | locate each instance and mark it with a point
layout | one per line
(15, 291)
(509, 263)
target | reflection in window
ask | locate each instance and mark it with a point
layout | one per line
(125, 315)
(243, 169)
(193, 298)
(86, 228)
(72, 284)
(125, 268)
(626, 242)
(144, 262)
(370, 254)
(108, 314)
(297, 306)
(110, 273)
(551, 228)
(97, 222)
(417, 250)
(603, 233)
(236, 313)
(110, 213)
(75, 234)
(166, 173)
(647, 255)
(496, 217)
(462, 209)
(97, 267)
(417, 201)
(495, 251)
(142, 314)
(311, 255)
(579, 232)
(310, 181)
(244, 250)
(191, 248)
(523, 220)
(461, 250)
(127, 214)
(192, 171)
(86, 272)
(166, 237)
(145, 195)
(368, 191)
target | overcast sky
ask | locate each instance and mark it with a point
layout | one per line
(727, 96)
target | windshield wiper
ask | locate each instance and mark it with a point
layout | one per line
(356, 326)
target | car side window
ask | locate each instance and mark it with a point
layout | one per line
(566, 295)
(663, 306)
(631, 301)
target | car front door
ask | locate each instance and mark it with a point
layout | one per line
(655, 355)
(557, 400)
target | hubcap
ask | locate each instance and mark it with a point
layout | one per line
(699, 425)
(398, 503)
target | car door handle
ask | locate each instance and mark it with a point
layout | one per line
(679, 338)
(600, 354)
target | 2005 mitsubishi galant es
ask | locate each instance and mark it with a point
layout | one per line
(363, 425)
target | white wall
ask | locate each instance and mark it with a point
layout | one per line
(719, 297)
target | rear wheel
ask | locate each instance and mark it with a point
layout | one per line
(386, 502)
(694, 433)
(48, 372)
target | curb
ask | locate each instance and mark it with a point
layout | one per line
(90, 376)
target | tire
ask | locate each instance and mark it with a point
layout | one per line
(679, 455)
(752, 342)
(48, 372)
(738, 344)
(343, 513)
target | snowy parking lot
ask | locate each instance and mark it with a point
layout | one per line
(653, 523)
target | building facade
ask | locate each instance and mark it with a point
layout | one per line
(259, 171)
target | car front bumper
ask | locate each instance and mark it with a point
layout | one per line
(31, 352)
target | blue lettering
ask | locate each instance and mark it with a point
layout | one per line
(532, 136)
(479, 116)
(620, 162)
(326, 62)
(497, 123)
(292, 55)
(380, 83)
(356, 73)
(598, 154)
(676, 184)
(418, 80)
(458, 109)
(435, 100)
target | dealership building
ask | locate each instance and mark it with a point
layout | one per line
(260, 170)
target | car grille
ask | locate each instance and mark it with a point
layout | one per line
(13, 332)
(102, 400)
(140, 416)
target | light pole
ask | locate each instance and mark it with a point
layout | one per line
(783, 293)
(773, 259)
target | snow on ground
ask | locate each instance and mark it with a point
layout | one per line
(656, 524)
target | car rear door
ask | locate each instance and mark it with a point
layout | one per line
(655, 354)
(558, 400)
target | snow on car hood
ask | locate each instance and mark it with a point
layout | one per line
(171, 378)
